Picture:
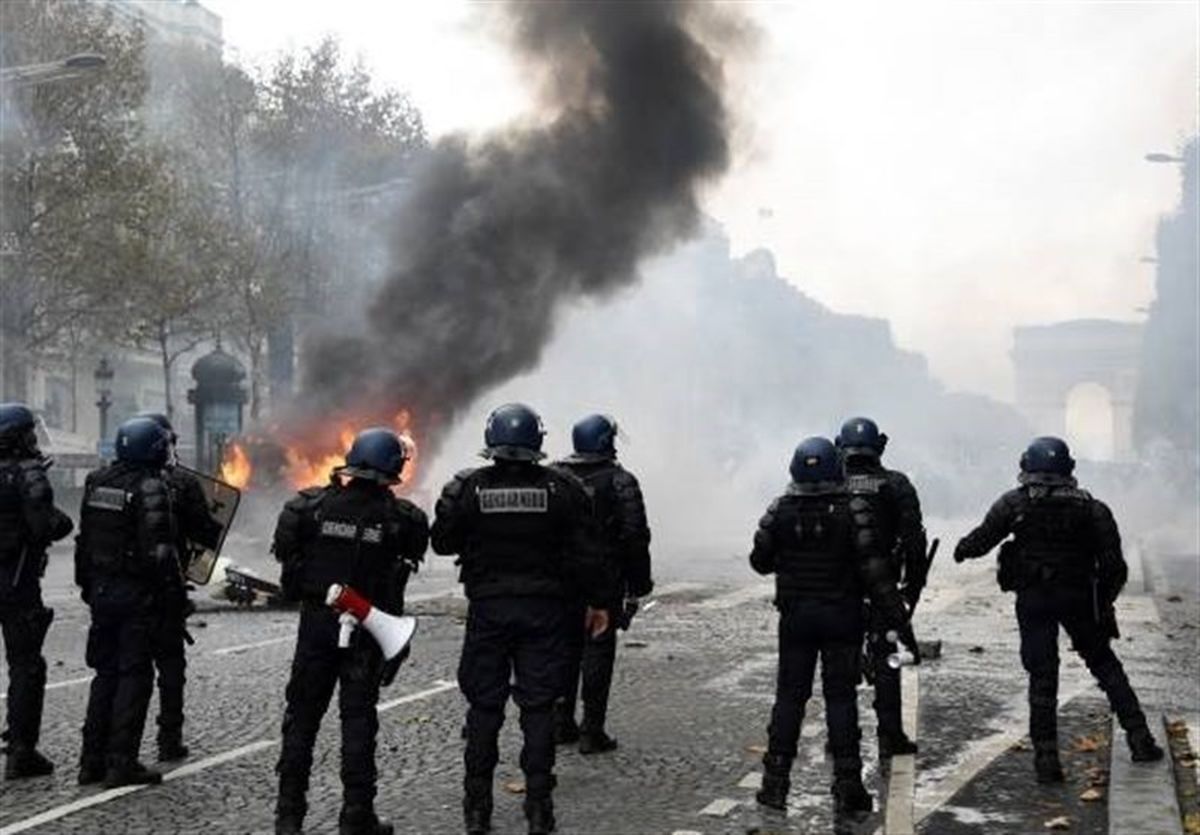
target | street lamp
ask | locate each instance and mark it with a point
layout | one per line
(104, 376)
(61, 69)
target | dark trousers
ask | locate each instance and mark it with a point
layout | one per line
(317, 667)
(120, 650)
(23, 624)
(887, 687)
(514, 645)
(1040, 612)
(831, 630)
(589, 676)
(171, 661)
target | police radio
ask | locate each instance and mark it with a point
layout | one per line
(391, 632)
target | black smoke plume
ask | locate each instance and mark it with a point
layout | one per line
(500, 232)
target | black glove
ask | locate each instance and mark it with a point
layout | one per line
(959, 554)
(911, 594)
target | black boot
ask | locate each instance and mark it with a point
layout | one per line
(361, 820)
(539, 812)
(477, 805)
(287, 823)
(129, 772)
(596, 742)
(172, 749)
(850, 797)
(91, 771)
(1046, 763)
(26, 762)
(1142, 746)
(895, 745)
(777, 769)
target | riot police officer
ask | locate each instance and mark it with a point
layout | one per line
(125, 566)
(355, 532)
(625, 540)
(902, 539)
(821, 544)
(195, 527)
(29, 523)
(526, 544)
(1064, 561)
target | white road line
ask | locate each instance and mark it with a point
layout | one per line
(71, 682)
(59, 812)
(738, 597)
(440, 686)
(981, 752)
(255, 645)
(752, 781)
(898, 817)
(719, 808)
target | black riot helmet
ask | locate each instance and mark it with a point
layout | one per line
(1048, 455)
(861, 436)
(513, 433)
(17, 425)
(377, 454)
(816, 459)
(594, 438)
(141, 440)
(163, 421)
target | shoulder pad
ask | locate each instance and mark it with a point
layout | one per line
(567, 477)
(305, 500)
(410, 511)
(458, 483)
(624, 480)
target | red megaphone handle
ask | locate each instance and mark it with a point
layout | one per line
(348, 600)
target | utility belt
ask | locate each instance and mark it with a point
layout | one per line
(1018, 572)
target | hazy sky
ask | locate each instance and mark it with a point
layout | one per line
(957, 168)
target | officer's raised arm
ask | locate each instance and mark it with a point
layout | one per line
(762, 557)
(996, 526)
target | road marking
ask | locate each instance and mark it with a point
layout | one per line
(981, 752)
(1141, 796)
(752, 781)
(719, 808)
(71, 682)
(59, 812)
(440, 686)
(736, 598)
(898, 817)
(255, 645)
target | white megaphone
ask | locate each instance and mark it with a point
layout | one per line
(392, 633)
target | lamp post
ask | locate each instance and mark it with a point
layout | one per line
(104, 377)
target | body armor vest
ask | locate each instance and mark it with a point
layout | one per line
(1053, 535)
(11, 539)
(353, 541)
(815, 547)
(520, 526)
(109, 523)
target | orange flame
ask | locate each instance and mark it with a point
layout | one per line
(236, 468)
(305, 469)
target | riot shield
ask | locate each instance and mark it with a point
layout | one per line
(223, 500)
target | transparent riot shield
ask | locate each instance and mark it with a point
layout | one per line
(223, 500)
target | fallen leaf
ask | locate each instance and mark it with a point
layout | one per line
(1090, 795)
(976, 649)
(515, 787)
(1177, 727)
(1088, 743)
(1061, 822)
(756, 749)
(1174, 598)
(1191, 823)
(1020, 745)
(636, 644)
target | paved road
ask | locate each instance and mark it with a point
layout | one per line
(691, 697)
